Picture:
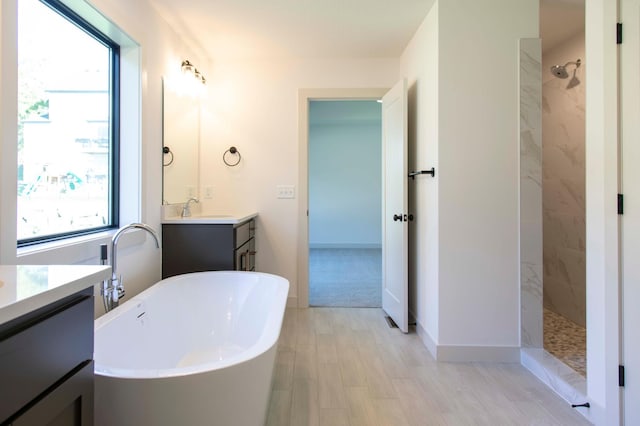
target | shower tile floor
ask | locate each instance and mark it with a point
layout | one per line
(566, 340)
(345, 277)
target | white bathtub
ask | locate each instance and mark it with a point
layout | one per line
(195, 349)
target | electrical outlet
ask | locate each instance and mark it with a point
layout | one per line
(208, 192)
(191, 191)
(286, 191)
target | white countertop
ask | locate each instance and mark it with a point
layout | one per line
(25, 288)
(211, 219)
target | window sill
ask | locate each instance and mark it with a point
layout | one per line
(83, 249)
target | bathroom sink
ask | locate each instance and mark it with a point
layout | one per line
(210, 219)
(209, 216)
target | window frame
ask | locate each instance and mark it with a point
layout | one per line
(114, 127)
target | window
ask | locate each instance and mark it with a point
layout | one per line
(67, 124)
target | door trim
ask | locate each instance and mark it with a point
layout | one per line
(304, 97)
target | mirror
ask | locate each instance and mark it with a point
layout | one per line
(181, 144)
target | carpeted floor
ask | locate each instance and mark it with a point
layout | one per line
(345, 277)
(566, 340)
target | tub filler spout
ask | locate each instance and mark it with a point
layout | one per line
(113, 288)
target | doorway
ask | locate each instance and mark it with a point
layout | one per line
(345, 190)
(305, 97)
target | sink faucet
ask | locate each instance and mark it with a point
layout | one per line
(186, 209)
(113, 289)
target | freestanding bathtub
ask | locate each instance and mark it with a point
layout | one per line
(195, 349)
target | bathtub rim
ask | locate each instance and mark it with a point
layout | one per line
(262, 345)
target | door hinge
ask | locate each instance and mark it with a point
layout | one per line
(620, 204)
(621, 376)
(619, 33)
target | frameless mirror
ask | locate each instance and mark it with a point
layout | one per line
(181, 142)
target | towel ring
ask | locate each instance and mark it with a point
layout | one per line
(167, 150)
(233, 151)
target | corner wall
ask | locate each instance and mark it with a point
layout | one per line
(479, 176)
(419, 63)
(463, 119)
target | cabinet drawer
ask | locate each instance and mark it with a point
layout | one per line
(69, 404)
(32, 360)
(244, 232)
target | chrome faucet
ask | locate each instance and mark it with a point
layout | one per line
(113, 289)
(186, 209)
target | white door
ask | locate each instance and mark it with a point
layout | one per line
(395, 291)
(630, 225)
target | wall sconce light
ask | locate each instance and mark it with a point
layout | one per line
(189, 68)
(199, 77)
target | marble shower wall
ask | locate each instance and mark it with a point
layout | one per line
(530, 193)
(563, 179)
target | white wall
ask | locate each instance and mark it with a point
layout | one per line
(253, 105)
(155, 50)
(601, 62)
(345, 183)
(8, 131)
(472, 302)
(479, 177)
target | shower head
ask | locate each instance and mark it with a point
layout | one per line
(560, 71)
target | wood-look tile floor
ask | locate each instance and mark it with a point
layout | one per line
(345, 366)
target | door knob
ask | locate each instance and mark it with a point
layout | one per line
(397, 217)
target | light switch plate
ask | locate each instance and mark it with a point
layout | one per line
(208, 192)
(286, 191)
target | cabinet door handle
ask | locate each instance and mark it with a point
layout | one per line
(243, 256)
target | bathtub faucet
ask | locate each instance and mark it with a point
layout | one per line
(113, 289)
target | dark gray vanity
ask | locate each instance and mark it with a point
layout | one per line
(46, 344)
(208, 243)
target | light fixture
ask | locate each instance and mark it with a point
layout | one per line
(199, 77)
(189, 68)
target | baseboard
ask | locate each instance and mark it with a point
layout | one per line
(292, 302)
(454, 353)
(427, 340)
(344, 246)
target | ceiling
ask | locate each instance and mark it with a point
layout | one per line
(296, 28)
(325, 28)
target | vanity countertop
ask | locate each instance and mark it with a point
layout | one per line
(211, 219)
(25, 288)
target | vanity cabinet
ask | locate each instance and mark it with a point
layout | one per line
(197, 247)
(46, 364)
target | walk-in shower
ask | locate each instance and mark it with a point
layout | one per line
(563, 206)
